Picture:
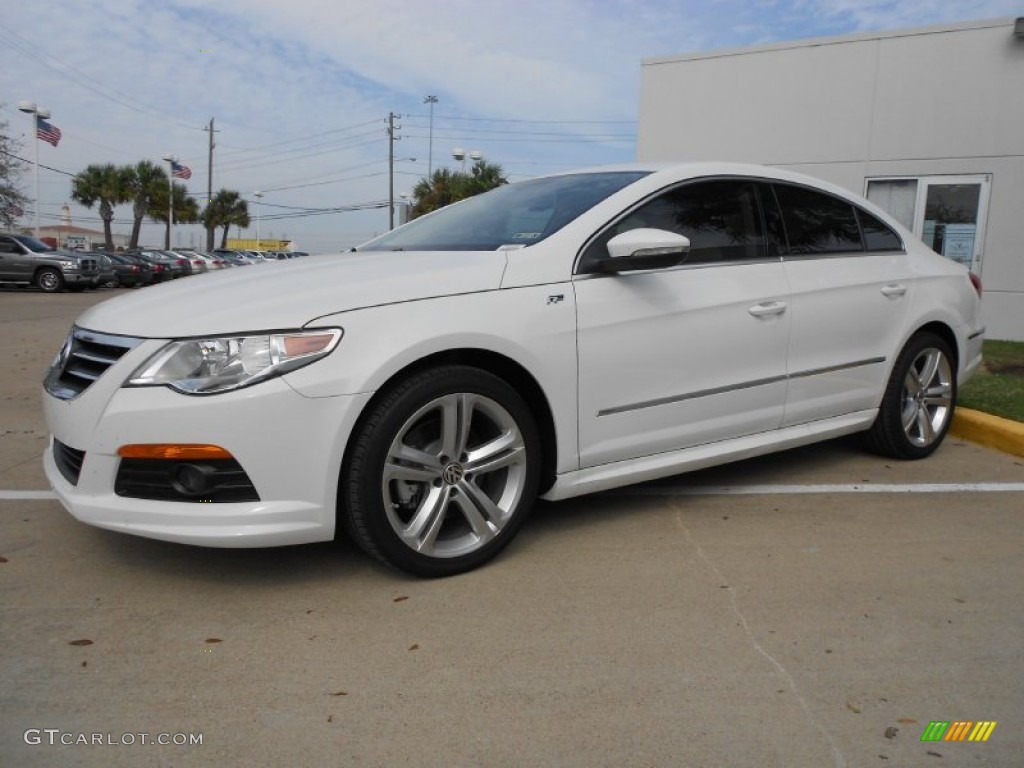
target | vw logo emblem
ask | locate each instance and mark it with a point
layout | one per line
(453, 473)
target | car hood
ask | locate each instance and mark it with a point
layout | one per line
(290, 294)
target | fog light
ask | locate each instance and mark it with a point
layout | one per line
(193, 479)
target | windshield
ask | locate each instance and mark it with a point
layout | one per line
(523, 213)
(36, 246)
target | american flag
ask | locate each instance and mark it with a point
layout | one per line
(180, 171)
(47, 131)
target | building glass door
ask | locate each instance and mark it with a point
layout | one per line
(946, 212)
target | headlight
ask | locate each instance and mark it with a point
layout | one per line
(211, 366)
(67, 264)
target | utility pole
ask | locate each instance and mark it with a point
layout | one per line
(391, 169)
(209, 186)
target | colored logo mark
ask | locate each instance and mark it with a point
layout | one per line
(958, 730)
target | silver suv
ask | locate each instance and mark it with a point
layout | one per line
(28, 261)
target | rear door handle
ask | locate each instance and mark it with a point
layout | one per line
(894, 290)
(768, 309)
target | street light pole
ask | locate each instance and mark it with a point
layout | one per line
(431, 100)
(36, 112)
(259, 196)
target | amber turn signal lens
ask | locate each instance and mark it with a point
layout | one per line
(174, 451)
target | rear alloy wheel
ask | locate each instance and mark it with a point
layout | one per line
(919, 401)
(443, 472)
(50, 280)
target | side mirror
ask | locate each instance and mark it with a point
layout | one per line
(644, 248)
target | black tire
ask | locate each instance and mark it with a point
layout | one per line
(409, 504)
(49, 280)
(919, 401)
(113, 282)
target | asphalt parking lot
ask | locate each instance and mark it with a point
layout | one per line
(816, 608)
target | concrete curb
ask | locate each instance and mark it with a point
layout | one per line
(991, 431)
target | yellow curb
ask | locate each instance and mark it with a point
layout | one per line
(991, 431)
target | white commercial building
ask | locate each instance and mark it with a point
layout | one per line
(927, 123)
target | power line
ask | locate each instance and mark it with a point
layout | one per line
(22, 159)
(28, 48)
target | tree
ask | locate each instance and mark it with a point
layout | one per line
(148, 181)
(446, 187)
(107, 185)
(186, 209)
(12, 201)
(226, 208)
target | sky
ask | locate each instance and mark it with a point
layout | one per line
(301, 91)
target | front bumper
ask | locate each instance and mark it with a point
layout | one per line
(291, 447)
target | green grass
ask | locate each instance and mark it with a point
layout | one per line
(998, 386)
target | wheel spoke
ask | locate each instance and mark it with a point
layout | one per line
(421, 532)
(924, 427)
(483, 515)
(929, 368)
(910, 413)
(393, 471)
(503, 451)
(456, 417)
(941, 396)
(408, 456)
(911, 385)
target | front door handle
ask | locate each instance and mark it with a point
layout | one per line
(768, 309)
(894, 290)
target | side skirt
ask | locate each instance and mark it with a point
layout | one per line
(617, 474)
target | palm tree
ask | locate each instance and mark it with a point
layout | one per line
(226, 208)
(106, 184)
(186, 209)
(148, 181)
(446, 187)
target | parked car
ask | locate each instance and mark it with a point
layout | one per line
(129, 274)
(180, 265)
(556, 336)
(234, 258)
(197, 264)
(107, 277)
(147, 272)
(27, 261)
(170, 267)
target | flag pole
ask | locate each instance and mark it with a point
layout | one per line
(34, 111)
(170, 198)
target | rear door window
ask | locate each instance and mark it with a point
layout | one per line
(817, 223)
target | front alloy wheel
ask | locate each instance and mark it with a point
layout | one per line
(443, 472)
(919, 401)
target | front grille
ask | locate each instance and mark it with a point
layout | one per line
(85, 357)
(69, 461)
(89, 265)
(168, 480)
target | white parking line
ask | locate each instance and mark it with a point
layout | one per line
(785, 490)
(27, 496)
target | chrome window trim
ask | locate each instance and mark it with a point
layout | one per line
(736, 387)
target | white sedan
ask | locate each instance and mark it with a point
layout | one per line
(553, 337)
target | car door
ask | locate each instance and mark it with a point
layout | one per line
(851, 286)
(688, 355)
(14, 265)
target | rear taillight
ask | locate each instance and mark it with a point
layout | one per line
(976, 282)
(135, 270)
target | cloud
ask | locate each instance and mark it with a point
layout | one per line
(135, 79)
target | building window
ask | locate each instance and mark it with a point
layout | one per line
(948, 213)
